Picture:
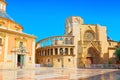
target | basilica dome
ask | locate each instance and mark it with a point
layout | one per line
(6, 21)
(4, 15)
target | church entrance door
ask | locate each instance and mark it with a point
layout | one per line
(20, 61)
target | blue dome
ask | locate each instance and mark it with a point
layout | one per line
(4, 15)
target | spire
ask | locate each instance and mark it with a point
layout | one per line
(2, 5)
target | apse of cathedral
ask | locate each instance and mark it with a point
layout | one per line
(17, 49)
(82, 44)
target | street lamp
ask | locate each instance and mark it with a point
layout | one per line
(62, 51)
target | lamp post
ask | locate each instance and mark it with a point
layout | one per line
(62, 51)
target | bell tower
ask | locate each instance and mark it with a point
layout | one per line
(3, 5)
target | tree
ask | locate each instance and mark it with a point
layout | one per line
(117, 53)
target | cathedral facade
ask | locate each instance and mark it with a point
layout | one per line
(81, 45)
(17, 49)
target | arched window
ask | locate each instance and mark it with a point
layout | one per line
(66, 51)
(71, 51)
(56, 51)
(48, 52)
(48, 60)
(45, 53)
(66, 40)
(71, 41)
(61, 51)
(51, 51)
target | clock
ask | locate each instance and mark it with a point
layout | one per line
(89, 36)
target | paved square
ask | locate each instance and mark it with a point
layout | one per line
(60, 74)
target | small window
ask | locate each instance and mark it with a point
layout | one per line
(30, 58)
(21, 44)
(58, 60)
(48, 60)
(69, 60)
(41, 60)
(110, 43)
(0, 40)
(71, 51)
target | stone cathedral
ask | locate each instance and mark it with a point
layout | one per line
(82, 44)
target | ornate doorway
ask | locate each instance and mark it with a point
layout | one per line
(93, 56)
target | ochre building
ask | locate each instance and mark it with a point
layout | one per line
(81, 45)
(17, 49)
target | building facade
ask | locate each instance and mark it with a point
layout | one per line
(81, 45)
(17, 49)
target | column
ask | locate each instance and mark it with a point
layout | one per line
(69, 51)
(33, 53)
(5, 65)
(15, 58)
(53, 51)
(6, 48)
(58, 51)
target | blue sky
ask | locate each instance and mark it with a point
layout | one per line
(44, 18)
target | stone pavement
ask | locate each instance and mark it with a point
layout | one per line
(44, 73)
